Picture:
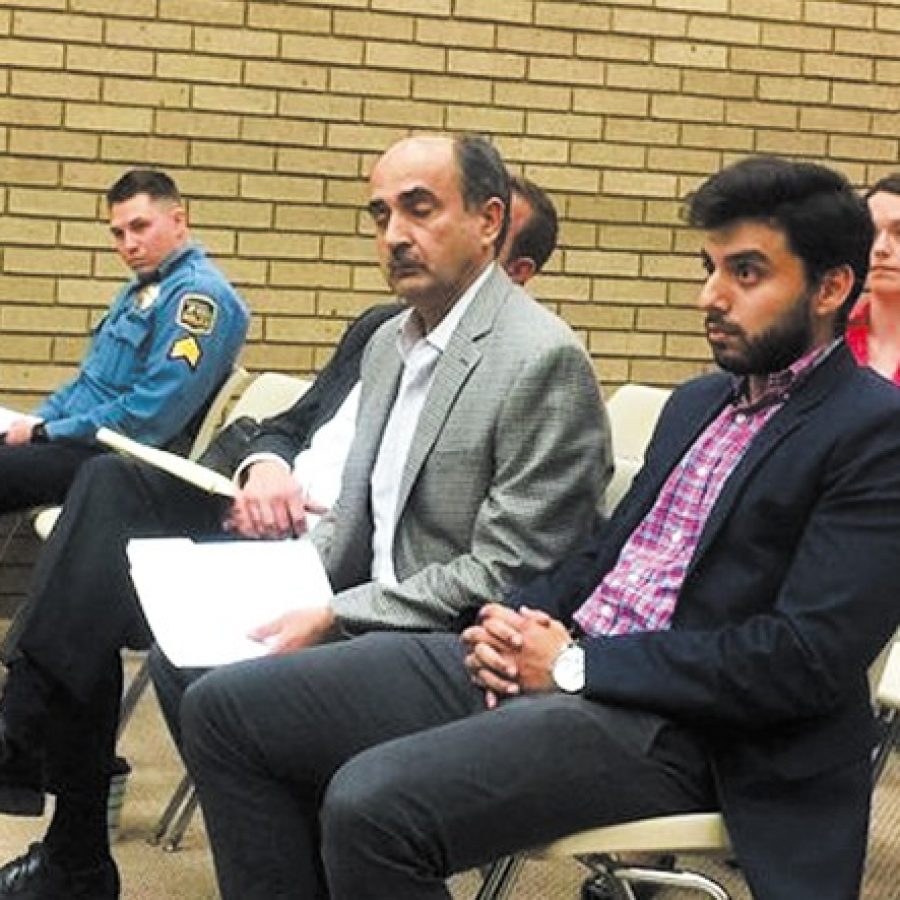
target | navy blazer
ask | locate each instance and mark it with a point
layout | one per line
(786, 602)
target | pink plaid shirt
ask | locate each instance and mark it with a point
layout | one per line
(640, 592)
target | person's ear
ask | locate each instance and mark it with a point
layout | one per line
(834, 288)
(492, 211)
(521, 269)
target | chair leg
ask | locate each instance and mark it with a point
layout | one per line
(891, 723)
(628, 876)
(500, 878)
(170, 813)
(176, 834)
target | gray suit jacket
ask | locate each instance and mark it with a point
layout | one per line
(509, 459)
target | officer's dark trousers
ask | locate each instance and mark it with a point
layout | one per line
(369, 768)
(80, 612)
(39, 474)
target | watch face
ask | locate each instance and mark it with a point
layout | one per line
(568, 670)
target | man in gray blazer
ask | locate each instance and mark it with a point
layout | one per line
(481, 448)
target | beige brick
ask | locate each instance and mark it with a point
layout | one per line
(581, 315)
(37, 261)
(775, 115)
(640, 131)
(283, 245)
(649, 22)
(161, 94)
(195, 124)
(407, 57)
(604, 209)
(77, 29)
(151, 150)
(663, 372)
(194, 68)
(311, 330)
(635, 76)
(694, 6)
(33, 378)
(850, 15)
(566, 71)
(560, 287)
(507, 11)
(403, 112)
(216, 12)
(348, 193)
(600, 262)
(689, 54)
(869, 96)
(54, 202)
(25, 348)
(639, 184)
(794, 90)
(87, 235)
(53, 144)
(862, 148)
(728, 30)
(96, 117)
(368, 279)
(5, 21)
(283, 132)
(242, 271)
(87, 292)
(790, 36)
(853, 68)
(589, 16)
(26, 289)
(636, 237)
(488, 119)
(220, 242)
(448, 33)
(628, 290)
(389, 84)
(687, 109)
(665, 212)
(239, 156)
(555, 178)
(687, 321)
(344, 305)
(613, 46)
(196, 182)
(670, 267)
(310, 275)
(603, 154)
(536, 40)
(316, 162)
(313, 48)
(315, 219)
(30, 112)
(147, 34)
(611, 372)
(286, 76)
(885, 70)
(532, 96)
(235, 42)
(831, 119)
(26, 230)
(598, 100)
(685, 346)
(109, 59)
(675, 159)
(784, 10)
(247, 214)
(359, 137)
(766, 59)
(128, 8)
(792, 143)
(719, 84)
(282, 188)
(61, 85)
(266, 300)
(290, 358)
(234, 100)
(566, 125)
(491, 64)
(348, 249)
(625, 343)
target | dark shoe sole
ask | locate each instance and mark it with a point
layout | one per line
(20, 801)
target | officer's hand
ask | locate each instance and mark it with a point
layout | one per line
(19, 432)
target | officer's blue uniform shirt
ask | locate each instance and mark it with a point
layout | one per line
(163, 348)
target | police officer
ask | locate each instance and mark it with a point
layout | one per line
(168, 341)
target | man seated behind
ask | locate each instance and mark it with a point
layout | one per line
(169, 339)
(504, 464)
(707, 651)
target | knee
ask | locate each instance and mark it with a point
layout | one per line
(204, 725)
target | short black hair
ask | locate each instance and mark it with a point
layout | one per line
(826, 223)
(482, 176)
(537, 237)
(152, 182)
(890, 184)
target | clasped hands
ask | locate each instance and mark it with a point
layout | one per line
(512, 651)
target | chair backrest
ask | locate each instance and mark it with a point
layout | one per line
(215, 413)
(633, 410)
(267, 395)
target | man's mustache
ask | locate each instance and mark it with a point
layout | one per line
(720, 323)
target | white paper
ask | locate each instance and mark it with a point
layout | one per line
(8, 416)
(202, 599)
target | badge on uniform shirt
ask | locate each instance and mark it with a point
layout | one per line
(186, 348)
(197, 313)
(147, 295)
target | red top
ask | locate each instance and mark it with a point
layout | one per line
(858, 336)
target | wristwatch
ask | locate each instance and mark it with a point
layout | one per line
(568, 669)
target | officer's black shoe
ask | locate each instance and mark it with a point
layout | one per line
(34, 876)
(21, 778)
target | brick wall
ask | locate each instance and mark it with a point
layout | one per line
(269, 115)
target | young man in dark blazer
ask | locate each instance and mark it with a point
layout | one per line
(708, 650)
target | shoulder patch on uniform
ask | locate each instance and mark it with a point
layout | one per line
(197, 313)
(186, 348)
